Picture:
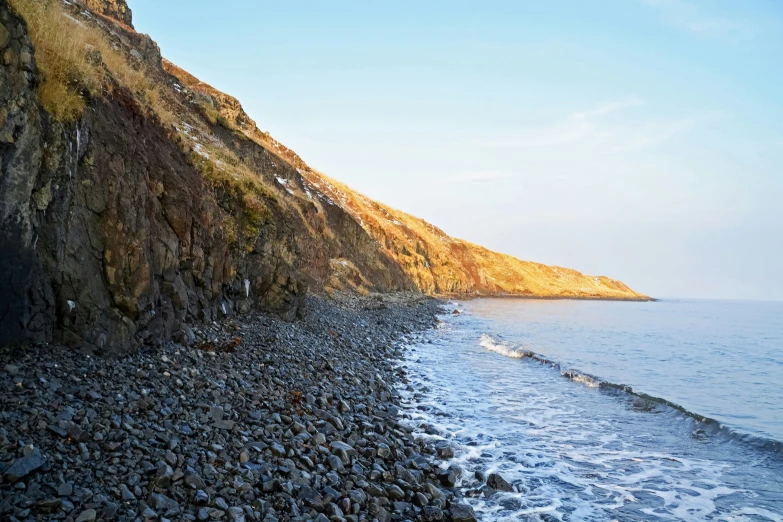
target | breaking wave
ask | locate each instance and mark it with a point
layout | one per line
(708, 426)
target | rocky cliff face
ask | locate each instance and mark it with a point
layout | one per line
(107, 232)
(157, 209)
(116, 9)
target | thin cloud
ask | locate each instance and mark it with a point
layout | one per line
(481, 176)
(608, 108)
(689, 17)
(603, 131)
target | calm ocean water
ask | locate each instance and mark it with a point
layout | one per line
(531, 389)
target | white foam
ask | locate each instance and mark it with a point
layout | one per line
(569, 461)
(501, 348)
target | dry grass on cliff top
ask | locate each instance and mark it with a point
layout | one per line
(77, 59)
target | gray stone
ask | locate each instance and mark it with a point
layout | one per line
(277, 449)
(432, 514)
(88, 515)
(462, 513)
(164, 505)
(395, 492)
(236, 514)
(336, 464)
(447, 477)
(498, 483)
(24, 466)
(193, 481)
(383, 450)
(126, 493)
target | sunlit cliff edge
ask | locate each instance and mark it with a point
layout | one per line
(135, 199)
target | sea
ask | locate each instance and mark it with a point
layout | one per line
(606, 410)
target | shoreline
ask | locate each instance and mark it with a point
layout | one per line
(260, 419)
(470, 297)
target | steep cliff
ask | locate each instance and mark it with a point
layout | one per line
(135, 199)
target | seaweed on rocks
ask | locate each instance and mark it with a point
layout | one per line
(298, 421)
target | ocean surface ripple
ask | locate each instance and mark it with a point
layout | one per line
(616, 440)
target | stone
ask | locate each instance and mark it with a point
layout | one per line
(26, 61)
(88, 515)
(163, 475)
(126, 494)
(5, 36)
(236, 514)
(336, 464)
(25, 466)
(383, 450)
(432, 514)
(164, 505)
(462, 513)
(67, 506)
(445, 451)
(277, 449)
(109, 511)
(65, 489)
(447, 477)
(395, 492)
(498, 483)
(193, 481)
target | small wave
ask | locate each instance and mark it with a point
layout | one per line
(708, 425)
(503, 349)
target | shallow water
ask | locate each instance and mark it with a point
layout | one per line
(578, 451)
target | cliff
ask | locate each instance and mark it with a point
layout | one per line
(135, 199)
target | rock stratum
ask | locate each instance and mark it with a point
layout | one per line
(136, 199)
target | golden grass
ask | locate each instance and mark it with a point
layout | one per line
(78, 60)
(440, 264)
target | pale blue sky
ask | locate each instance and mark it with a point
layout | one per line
(640, 139)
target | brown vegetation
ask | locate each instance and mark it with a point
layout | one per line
(77, 60)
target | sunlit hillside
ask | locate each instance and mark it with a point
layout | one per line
(440, 264)
(267, 189)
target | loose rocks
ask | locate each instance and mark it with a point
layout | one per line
(299, 422)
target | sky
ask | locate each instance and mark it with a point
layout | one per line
(639, 139)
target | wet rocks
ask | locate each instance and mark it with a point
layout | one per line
(462, 513)
(447, 477)
(498, 483)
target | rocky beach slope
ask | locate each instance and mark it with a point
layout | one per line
(261, 419)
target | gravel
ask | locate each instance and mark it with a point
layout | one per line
(259, 420)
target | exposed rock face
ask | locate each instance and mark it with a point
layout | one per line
(108, 237)
(21, 155)
(117, 9)
(112, 238)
